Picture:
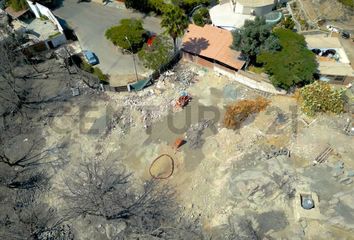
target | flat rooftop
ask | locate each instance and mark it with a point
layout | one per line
(222, 15)
(255, 3)
(321, 41)
(326, 65)
(41, 29)
(335, 68)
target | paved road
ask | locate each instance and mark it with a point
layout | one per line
(90, 21)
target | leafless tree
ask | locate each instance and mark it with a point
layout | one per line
(24, 216)
(24, 83)
(101, 189)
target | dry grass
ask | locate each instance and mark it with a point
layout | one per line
(239, 111)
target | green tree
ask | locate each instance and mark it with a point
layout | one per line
(175, 21)
(321, 97)
(158, 6)
(158, 54)
(293, 65)
(128, 35)
(254, 37)
(189, 5)
(201, 17)
(140, 5)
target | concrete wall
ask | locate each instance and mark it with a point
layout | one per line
(337, 79)
(58, 40)
(263, 10)
(258, 11)
(239, 76)
(40, 10)
(259, 85)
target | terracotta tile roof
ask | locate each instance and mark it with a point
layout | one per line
(212, 42)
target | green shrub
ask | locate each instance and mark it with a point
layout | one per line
(157, 6)
(54, 35)
(94, 70)
(288, 23)
(158, 54)
(131, 29)
(44, 18)
(189, 5)
(98, 73)
(140, 5)
(348, 3)
(201, 17)
(321, 97)
(86, 67)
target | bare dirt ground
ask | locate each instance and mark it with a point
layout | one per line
(220, 175)
(330, 10)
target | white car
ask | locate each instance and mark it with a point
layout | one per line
(332, 28)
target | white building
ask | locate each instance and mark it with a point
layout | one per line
(231, 14)
(254, 7)
(42, 30)
(333, 68)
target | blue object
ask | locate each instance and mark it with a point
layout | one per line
(307, 203)
(184, 94)
(139, 85)
(90, 57)
(273, 17)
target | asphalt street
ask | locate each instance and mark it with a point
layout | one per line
(90, 20)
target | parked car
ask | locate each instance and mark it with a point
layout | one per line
(329, 53)
(90, 57)
(345, 35)
(316, 51)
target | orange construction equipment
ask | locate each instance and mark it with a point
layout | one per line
(178, 143)
(183, 101)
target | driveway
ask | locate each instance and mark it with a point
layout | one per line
(90, 21)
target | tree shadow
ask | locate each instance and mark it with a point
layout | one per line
(195, 45)
(68, 31)
(56, 4)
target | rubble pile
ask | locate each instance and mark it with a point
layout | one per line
(63, 232)
(275, 152)
(195, 132)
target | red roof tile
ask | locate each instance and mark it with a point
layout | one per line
(212, 42)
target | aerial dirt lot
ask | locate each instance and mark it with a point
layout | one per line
(330, 10)
(255, 173)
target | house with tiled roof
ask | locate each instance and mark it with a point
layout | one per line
(209, 47)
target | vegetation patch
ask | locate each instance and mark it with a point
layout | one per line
(94, 70)
(254, 37)
(18, 5)
(293, 65)
(157, 54)
(239, 111)
(348, 3)
(321, 97)
(128, 35)
(287, 23)
(189, 5)
(201, 17)
(174, 21)
(54, 35)
(256, 69)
